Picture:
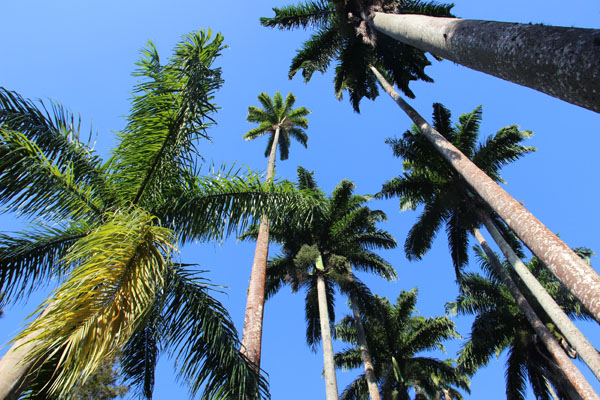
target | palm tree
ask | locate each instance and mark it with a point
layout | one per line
(108, 231)
(532, 55)
(448, 199)
(395, 337)
(501, 325)
(318, 255)
(280, 121)
(336, 38)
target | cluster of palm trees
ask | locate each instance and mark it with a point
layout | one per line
(109, 230)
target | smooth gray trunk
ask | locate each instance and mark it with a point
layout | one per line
(559, 61)
(567, 266)
(331, 389)
(571, 372)
(364, 352)
(573, 335)
(255, 305)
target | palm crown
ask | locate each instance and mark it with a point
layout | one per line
(336, 38)
(278, 114)
(500, 325)
(110, 231)
(344, 232)
(431, 181)
(395, 336)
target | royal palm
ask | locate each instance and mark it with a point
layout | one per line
(396, 338)
(449, 200)
(319, 255)
(280, 122)
(500, 325)
(363, 58)
(108, 230)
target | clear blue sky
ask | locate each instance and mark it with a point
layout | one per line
(82, 53)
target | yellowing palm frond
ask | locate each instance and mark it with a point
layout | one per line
(93, 314)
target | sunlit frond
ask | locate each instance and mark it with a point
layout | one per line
(119, 267)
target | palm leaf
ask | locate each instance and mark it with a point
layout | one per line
(108, 294)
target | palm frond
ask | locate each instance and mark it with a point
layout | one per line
(302, 15)
(171, 109)
(109, 292)
(32, 184)
(204, 341)
(31, 258)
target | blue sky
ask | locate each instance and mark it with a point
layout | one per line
(81, 54)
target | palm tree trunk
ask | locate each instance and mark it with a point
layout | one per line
(567, 266)
(564, 362)
(364, 352)
(331, 389)
(573, 335)
(559, 61)
(13, 366)
(253, 319)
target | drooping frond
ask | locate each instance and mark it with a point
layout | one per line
(31, 258)
(316, 54)
(204, 341)
(118, 268)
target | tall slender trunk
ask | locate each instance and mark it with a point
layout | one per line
(564, 362)
(559, 61)
(567, 266)
(364, 352)
(253, 319)
(573, 335)
(331, 389)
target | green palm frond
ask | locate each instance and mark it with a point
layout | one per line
(316, 54)
(230, 202)
(32, 184)
(337, 35)
(448, 200)
(140, 355)
(203, 340)
(394, 337)
(31, 258)
(56, 132)
(278, 114)
(96, 310)
(170, 111)
(303, 15)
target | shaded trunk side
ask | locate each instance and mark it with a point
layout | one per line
(364, 352)
(253, 318)
(573, 375)
(567, 266)
(559, 61)
(573, 335)
(331, 389)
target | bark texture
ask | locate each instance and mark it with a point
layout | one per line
(364, 352)
(567, 266)
(573, 335)
(255, 305)
(574, 376)
(559, 61)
